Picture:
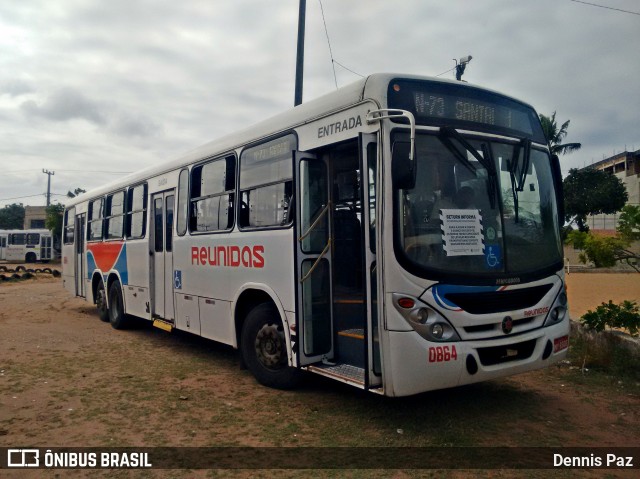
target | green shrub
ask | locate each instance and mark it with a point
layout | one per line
(624, 315)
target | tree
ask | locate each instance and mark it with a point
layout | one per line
(590, 192)
(606, 252)
(12, 217)
(629, 223)
(603, 252)
(53, 221)
(555, 135)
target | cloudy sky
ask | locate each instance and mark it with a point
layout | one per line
(93, 89)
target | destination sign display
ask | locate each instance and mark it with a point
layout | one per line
(463, 106)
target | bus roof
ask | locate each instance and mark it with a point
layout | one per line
(41, 231)
(373, 87)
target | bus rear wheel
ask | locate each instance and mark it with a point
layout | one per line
(264, 349)
(101, 302)
(117, 317)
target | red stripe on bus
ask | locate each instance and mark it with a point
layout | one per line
(105, 254)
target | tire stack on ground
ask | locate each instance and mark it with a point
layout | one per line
(21, 273)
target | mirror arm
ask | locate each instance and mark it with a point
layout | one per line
(386, 113)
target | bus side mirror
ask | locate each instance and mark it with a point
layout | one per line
(403, 166)
(557, 185)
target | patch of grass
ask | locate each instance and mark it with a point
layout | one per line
(606, 352)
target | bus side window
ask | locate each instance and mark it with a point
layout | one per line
(266, 185)
(18, 239)
(115, 216)
(94, 230)
(212, 195)
(69, 225)
(33, 239)
(136, 221)
(182, 209)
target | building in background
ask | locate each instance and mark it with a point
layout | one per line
(34, 217)
(626, 166)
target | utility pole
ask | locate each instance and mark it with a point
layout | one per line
(300, 53)
(49, 175)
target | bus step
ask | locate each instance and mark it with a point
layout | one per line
(342, 372)
(164, 325)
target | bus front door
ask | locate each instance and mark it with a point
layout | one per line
(161, 252)
(79, 247)
(336, 261)
(313, 278)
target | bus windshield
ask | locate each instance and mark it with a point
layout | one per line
(479, 209)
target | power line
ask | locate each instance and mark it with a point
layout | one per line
(348, 69)
(603, 6)
(20, 197)
(335, 79)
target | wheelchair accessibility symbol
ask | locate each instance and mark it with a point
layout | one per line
(493, 256)
(177, 279)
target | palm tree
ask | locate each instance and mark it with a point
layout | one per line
(555, 136)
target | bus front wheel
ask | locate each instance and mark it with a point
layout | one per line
(30, 258)
(117, 316)
(264, 350)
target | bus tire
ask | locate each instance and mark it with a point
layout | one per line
(101, 302)
(30, 258)
(263, 348)
(117, 317)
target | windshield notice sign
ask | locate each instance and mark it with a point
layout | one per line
(462, 233)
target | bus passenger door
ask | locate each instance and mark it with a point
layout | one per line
(368, 149)
(79, 247)
(313, 265)
(161, 252)
(45, 247)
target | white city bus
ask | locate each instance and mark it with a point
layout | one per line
(400, 234)
(26, 246)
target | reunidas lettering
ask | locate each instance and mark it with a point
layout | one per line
(230, 256)
(337, 127)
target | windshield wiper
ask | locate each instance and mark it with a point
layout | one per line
(518, 178)
(486, 159)
(524, 168)
(445, 134)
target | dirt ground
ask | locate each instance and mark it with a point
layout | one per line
(588, 290)
(68, 379)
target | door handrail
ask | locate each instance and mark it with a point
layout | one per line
(315, 223)
(315, 264)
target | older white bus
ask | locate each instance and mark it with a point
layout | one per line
(26, 246)
(400, 235)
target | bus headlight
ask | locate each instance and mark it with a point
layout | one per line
(427, 322)
(437, 330)
(557, 314)
(559, 309)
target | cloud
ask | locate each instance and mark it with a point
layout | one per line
(64, 105)
(134, 125)
(67, 104)
(15, 88)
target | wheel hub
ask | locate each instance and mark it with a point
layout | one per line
(100, 300)
(269, 346)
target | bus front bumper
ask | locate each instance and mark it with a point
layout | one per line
(418, 365)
